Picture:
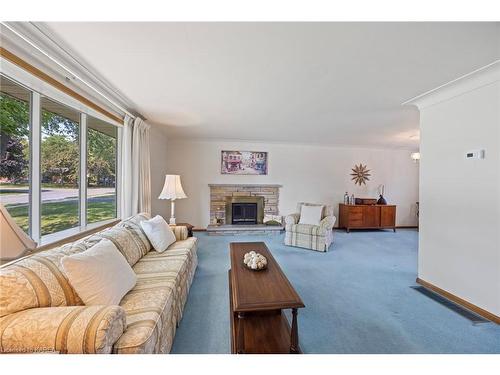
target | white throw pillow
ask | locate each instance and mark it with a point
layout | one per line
(100, 275)
(310, 214)
(158, 232)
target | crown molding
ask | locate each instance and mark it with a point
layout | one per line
(263, 142)
(471, 81)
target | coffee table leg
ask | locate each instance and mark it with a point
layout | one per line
(240, 345)
(294, 339)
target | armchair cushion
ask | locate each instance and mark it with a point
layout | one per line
(327, 209)
(311, 215)
(309, 229)
(317, 230)
(71, 329)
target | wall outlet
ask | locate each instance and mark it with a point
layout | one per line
(475, 154)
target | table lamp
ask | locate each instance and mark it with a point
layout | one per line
(172, 190)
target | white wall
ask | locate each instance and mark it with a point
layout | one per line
(158, 147)
(459, 247)
(307, 173)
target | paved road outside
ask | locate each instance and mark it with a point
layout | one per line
(51, 194)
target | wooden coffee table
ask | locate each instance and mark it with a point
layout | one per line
(256, 303)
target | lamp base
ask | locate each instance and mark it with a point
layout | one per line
(172, 213)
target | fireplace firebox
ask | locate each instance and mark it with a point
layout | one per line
(244, 213)
(244, 210)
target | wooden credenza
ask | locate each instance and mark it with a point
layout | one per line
(360, 216)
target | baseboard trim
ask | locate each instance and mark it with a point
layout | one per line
(485, 314)
(400, 227)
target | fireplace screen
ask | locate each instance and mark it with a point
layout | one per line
(244, 213)
(244, 210)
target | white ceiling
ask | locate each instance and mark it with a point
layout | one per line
(324, 83)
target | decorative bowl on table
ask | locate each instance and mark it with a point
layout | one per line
(255, 261)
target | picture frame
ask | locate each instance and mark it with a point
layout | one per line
(244, 162)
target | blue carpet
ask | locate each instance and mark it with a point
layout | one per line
(358, 299)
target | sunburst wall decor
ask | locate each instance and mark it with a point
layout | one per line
(360, 174)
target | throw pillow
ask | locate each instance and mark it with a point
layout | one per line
(310, 214)
(158, 232)
(272, 219)
(273, 223)
(100, 275)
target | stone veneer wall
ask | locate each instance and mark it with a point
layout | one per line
(219, 192)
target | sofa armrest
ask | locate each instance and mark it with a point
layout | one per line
(65, 329)
(327, 222)
(180, 231)
(292, 219)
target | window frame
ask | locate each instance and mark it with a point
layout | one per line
(117, 172)
(38, 88)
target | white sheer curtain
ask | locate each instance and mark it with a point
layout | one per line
(136, 175)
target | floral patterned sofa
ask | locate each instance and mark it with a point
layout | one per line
(41, 312)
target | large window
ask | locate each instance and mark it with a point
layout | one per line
(59, 166)
(58, 170)
(101, 170)
(15, 151)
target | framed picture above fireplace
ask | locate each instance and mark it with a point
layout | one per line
(244, 162)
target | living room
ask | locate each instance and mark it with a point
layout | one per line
(252, 188)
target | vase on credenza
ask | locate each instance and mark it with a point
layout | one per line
(381, 199)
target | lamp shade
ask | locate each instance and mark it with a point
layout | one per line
(14, 243)
(172, 188)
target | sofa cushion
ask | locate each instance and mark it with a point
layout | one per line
(149, 310)
(314, 230)
(158, 232)
(188, 243)
(126, 241)
(39, 280)
(133, 224)
(100, 275)
(154, 306)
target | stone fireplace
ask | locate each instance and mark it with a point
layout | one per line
(242, 205)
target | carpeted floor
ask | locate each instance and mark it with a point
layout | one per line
(358, 299)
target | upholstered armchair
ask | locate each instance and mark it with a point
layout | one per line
(314, 237)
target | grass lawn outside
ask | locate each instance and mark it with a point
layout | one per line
(100, 209)
(58, 216)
